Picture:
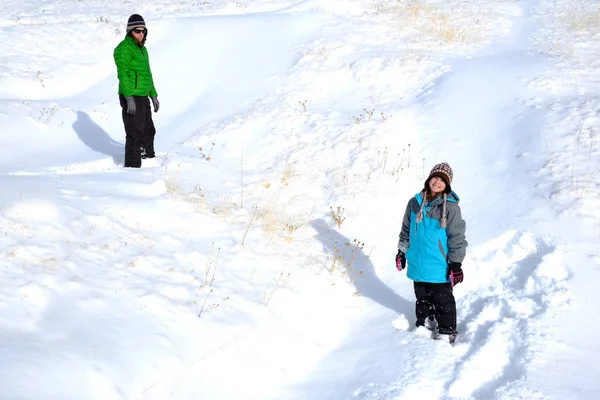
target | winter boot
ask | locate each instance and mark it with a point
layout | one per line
(445, 337)
(430, 323)
(147, 153)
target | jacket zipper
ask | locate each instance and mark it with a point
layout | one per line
(136, 74)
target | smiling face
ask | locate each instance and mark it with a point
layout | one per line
(138, 34)
(437, 185)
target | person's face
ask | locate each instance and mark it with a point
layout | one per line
(138, 34)
(437, 185)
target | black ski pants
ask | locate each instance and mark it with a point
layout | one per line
(436, 299)
(139, 130)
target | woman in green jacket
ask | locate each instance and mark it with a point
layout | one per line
(135, 87)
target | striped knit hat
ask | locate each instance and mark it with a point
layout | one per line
(443, 171)
(135, 21)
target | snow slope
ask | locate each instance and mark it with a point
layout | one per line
(252, 259)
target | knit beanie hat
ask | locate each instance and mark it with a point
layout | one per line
(442, 171)
(135, 21)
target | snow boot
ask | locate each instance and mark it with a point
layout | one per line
(430, 323)
(445, 337)
(147, 154)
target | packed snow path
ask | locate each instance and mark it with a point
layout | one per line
(516, 280)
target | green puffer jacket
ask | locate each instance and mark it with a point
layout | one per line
(133, 69)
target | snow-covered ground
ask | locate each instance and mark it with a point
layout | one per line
(253, 258)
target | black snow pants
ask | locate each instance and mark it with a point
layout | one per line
(436, 299)
(139, 131)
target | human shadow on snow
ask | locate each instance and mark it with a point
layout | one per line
(94, 137)
(361, 271)
(327, 379)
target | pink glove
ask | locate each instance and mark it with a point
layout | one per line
(400, 261)
(456, 273)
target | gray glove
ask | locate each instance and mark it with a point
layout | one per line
(130, 105)
(155, 103)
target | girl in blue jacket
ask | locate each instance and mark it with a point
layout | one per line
(432, 244)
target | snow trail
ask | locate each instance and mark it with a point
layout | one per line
(478, 116)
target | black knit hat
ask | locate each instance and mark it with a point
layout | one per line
(135, 21)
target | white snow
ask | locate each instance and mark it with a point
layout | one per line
(253, 258)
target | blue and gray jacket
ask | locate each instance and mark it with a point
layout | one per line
(429, 247)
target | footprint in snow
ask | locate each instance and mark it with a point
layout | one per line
(512, 280)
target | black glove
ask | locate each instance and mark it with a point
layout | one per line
(400, 260)
(130, 105)
(455, 273)
(155, 103)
